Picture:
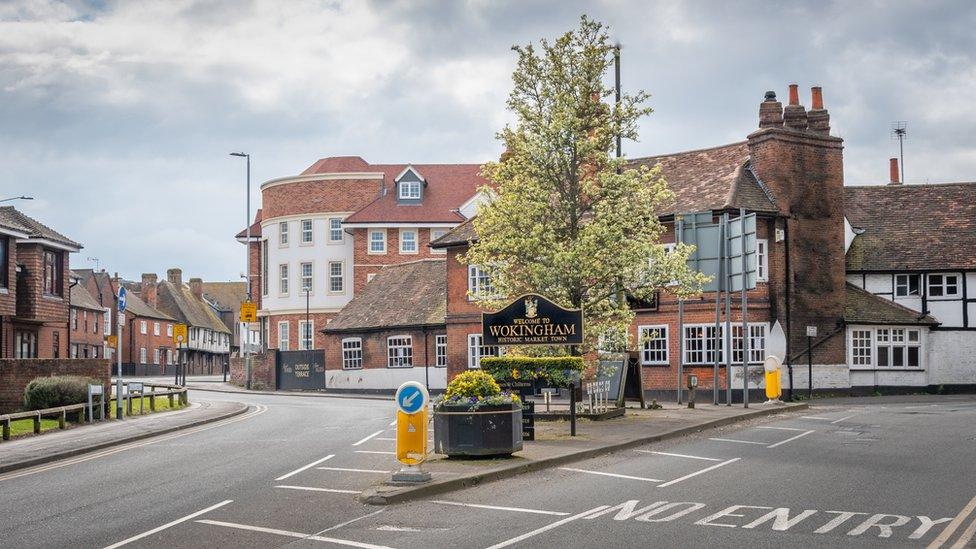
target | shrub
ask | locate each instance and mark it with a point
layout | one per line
(475, 388)
(556, 371)
(48, 392)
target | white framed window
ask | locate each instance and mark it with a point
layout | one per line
(907, 285)
(352, 353)
(156, 330)
(654, 344)
(434, 235)
(305, 331)
(107, 324)
(169, 330)
(264, 267)
(410, 190)
(142, 355)
(477, 351)
(283, 233)
(399, 351)
(440, 351)
(306, 273)
(169, 356)
(762, 260)
(757, 343)
(408, 241)
(943, 285)
(700, 346)
(283, 335)
(479, 283)
(377, 241)
(862, 349)
(283, 279)
(156, 356)
(143, 327)
(336, 279)
(95, 319)
(335, 229)
(306, 231)
(74, 319)
(898, 347)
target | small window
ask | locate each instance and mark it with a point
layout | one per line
(477, 351)
(861, 347)
(377, 242)
(762, 261)
(440, 351)
(410, 190)
(264, 267)
(283, 279)
(479, 283)
(283, 233)
(142, 355)
(4, 259)
(283, 335)
(352, 353)
(156, 329)
(408, 241)
(654, 344)
(335, 229)
(74, 319)
(434, 235)
(169, 330)
(52, 273)
(399, 352)
(306, 277)
(306, 231)
(943, 285)
(305, 331)
(336, 282)
(156, 356)
(906, 285)
(143, 327)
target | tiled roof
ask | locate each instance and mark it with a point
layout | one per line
(255, 227)
(448, 187)
(711, 179)
(408, 294)
(81, 298)
(180, 303)
(863, 307)
(912, 227)
(460, 235)
(133, 301)
(17, 220)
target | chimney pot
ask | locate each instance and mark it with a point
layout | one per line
(794, 94)
(770, 112)
(196, 287)
(175, 276)
(148, 291)
(770, 96)
(816, 96)
(893, 172)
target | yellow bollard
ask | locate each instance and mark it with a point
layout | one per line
(773, 375)
(411, 442)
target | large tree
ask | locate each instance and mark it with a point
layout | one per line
(567, 218)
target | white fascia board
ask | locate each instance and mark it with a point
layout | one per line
(319, 177)
(410, 168)
(6, 231)
(411, 225)
(49, 244)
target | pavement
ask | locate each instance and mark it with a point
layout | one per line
(216, 384)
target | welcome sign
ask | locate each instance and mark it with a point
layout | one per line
(532, 320)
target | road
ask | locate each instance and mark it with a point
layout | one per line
(892, 472)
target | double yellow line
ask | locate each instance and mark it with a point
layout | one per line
(256, 411)
(967, 534)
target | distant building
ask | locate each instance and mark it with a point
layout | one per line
(225, 299)
(207, 350)
(89, 322)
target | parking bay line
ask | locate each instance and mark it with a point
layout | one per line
(609, 474)
(546, 528)
(778, 428)
(375, 452)
(300, 469)
(287, 533)
(168, 525)
(841, 419)
(679, 455)
(367, 438)
(966, 536)
(739, 441)
(348, 470)
(315, 489)
(500, 508)
(780, 443)
(696, 473)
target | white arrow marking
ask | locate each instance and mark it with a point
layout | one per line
(407, 402)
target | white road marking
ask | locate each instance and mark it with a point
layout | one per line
(841, 419)
(300, 469)
(679, 455)
(546, 528)
(500, 508)
(287, 533)
(348, 522)
(314, 489)
(389, 439)
(393, 423)
(779, 428)
(960, 518)
(610, 474)
(375, 452)
(739, 441)
(369, 437)
(782, 442)
(168, 524)
(817, 417)
(348, 470)
(696, 473)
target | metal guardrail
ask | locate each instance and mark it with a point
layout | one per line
(61, 412)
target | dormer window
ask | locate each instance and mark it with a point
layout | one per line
(409, 185)
(410, 190)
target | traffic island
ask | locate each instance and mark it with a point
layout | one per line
(554, 447)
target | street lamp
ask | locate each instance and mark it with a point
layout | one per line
(247, 263)
(17, 198)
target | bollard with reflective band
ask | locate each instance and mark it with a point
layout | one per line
(411, 437)
(773, 375)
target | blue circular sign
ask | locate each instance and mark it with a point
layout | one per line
(122, 293)
(411, 397)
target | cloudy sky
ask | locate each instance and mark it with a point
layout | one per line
(119, 116)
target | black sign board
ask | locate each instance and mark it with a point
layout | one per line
(533, 320)
(300, 370)
(528, 420)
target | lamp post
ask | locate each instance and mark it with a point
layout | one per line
(308, 326)
(247, 263)
(17, 198)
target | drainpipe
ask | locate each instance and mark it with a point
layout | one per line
(74, 282)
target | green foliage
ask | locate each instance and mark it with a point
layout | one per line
(474, 389)
(567, 218)
(556, 371)
(48, 392)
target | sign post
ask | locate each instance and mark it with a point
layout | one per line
(179, 337)
(811, 333)
(412, 401)
(118, 351)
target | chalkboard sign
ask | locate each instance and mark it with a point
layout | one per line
(612, 367)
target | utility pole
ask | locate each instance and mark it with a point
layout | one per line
(247, 263)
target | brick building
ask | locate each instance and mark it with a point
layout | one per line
(89, 322)
(34, 280)
(225, 299)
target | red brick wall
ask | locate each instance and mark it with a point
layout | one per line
(82, 335)
(262, 371)
(133, 340)
(8, 294)
(340, 195)
(16, 374)
(320, 321)
(375, 347)
(365, 263)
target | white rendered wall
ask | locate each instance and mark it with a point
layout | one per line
(384, 378)
(952, 357)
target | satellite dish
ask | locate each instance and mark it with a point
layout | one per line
(776, 342)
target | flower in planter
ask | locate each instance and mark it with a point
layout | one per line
(475, 389)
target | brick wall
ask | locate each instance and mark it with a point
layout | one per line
(319, 320)
(262, 371)
(82, 335)
(365, 263)
(133, 341)
(16, 374)
(375, 347)
(335, 195)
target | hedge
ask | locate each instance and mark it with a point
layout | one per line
(51, 391)
(556, 371)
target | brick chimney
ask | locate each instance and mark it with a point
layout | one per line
(894, 179)
(794, 115)
(175, 276)
(196, 287)
(770, 112)
(818, 117)
(148, 292)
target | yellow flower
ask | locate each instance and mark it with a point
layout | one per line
(515, 373)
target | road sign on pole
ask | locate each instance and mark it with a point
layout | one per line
(118, 352)
(249, 311)
(412, 399)
(179, 333)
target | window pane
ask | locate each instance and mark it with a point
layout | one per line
(913, 357)
(898, 356)
(883, 356)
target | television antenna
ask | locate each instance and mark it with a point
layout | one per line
(95, 261)
(899, 131)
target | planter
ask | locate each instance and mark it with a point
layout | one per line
(487, 431)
